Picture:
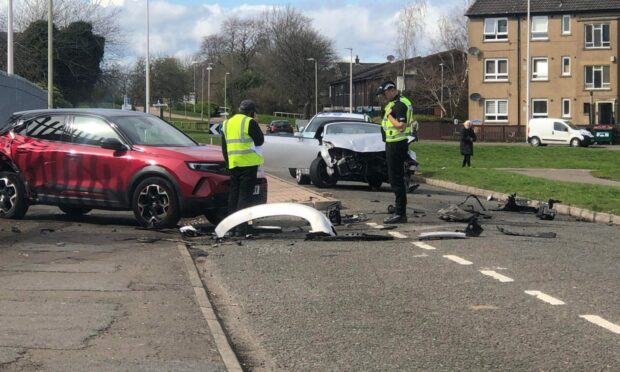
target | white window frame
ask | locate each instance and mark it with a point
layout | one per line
(540, 114)
(598, 68)
(496, 76)
(495, 116)
(535, 76)
(566, 18)
(566, 114)
(541, 35)
(495, 35)
(595, 26)
(566, 73)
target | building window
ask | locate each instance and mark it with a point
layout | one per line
(496, 110)
(566, 107)
(496, 29)
(540, 25)
(597, 77)
(597, 35)
(565, 66)
(566, 24)
(540, 69)
(496, 69)
(539, 108)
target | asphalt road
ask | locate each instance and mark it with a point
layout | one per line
(495, 302)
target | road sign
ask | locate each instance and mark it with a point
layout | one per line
(215, 128)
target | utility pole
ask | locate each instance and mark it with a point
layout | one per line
(50, 54)
(9, 39)
(351, 81)
(148, 69)
(527, 75)
(209, 93)
(441, 100)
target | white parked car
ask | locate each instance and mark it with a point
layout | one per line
(297, 153)
(557, 131)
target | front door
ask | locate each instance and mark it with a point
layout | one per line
(605, 113)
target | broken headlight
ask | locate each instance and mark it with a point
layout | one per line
(328, 145)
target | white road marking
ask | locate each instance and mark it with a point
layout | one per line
(602, 322)
(545, 297)
(371, 224)
(424, 246)
(421, 255)
(379, 227)
(458, 259)
(500, 277)
(398, 235)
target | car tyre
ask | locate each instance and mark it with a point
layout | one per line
(319, 176)
(73, 210)
(575, 142)
(13, 202)
(293, 172)
(302, 179)
(535, 141)
(155, 204)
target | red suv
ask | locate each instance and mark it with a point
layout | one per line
(81, 160)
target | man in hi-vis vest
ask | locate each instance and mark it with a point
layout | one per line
(396, 126)
(240, 137)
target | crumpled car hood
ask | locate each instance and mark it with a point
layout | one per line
(369, 142)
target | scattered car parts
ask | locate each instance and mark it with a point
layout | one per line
(436, 235)
(544, 211)
(318, 221)
(352, 237)
(530, 235)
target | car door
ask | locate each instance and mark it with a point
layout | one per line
(96, 175)
(561, 133)
(283, 152)
(40, 152)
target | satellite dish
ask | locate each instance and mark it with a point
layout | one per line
(473, 51)
(475, 97)
(391, 58)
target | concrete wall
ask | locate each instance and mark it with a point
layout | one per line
(18, 94)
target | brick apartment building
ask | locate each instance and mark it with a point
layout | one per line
(574, 70)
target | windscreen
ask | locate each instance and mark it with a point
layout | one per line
(315, 123)
(151, 131)
(346, 128)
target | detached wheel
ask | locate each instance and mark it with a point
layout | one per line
(535, 141)
(319, 176)
(73, 210)
(302, 179)
(575, 142)
(13, 203)
(155, 204)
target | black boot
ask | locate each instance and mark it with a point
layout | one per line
(395, 218)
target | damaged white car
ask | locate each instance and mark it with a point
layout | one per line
(354, 151)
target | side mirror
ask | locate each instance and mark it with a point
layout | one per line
(298, 135)
(113, 144)
(300, 128)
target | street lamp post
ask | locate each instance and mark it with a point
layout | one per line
(194, 63)
(209, 93)
(202, 94)
(225, 96)
(9, 40)
(316, 85)
(351, 81)
(148, 64)
(441, 99)
(50, 55)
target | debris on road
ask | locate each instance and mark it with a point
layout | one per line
(529, 235)
(15, 229)
(189, 231)
(46, 231)
(544, 211)
(352, 237)
(473, 229)
(453, 213)
(436, 235)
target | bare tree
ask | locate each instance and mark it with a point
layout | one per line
(410, 26)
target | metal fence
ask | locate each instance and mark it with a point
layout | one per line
(18, 94)
(445, 131)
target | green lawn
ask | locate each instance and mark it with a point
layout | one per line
(443, 161)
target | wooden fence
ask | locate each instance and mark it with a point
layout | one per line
(444, 131)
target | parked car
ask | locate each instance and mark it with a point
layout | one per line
(353, 151)
(280, 126)
(557, 131)
(81, 160)
(297, 153)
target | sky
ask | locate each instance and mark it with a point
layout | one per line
(178, 26)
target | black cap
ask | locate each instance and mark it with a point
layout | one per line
(247, 106)
(385, 86)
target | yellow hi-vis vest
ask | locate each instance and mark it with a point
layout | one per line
(239, 144)
(392, 134)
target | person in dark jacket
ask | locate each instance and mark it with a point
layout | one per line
(468, 137)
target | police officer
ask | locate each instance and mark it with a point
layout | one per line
(396, 126)
(241, 135)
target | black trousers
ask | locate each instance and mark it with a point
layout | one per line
(467, 160)
(396, 155)
(242, 183)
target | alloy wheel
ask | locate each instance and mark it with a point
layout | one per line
(8, 195)
(153, 203)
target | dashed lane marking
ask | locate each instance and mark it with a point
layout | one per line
(398, 235)
(424, 246)
(371, 224)
(498, 276)
(545, 297)
(602, 323)
(458, 259)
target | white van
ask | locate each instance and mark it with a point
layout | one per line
(557, 131)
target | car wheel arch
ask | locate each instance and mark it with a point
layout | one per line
(151, 171)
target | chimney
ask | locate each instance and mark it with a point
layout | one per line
(357, 60)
